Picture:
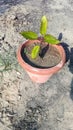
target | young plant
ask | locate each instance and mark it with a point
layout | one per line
(44, 38)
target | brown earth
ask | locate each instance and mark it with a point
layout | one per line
(51, 56)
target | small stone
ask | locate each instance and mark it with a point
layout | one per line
(2, 36)
(18, 73)
(16, 18)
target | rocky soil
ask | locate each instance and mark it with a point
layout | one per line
(25, 105)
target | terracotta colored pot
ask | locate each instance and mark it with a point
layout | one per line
(37, 74)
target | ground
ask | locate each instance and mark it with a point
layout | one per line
(25, 105)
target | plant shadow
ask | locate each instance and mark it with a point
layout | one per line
(71, 70)
(69, 56)
(65, 46)
(66, 49)
(71, 92)
(71, 61)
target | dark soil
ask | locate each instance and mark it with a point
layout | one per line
(51, 57)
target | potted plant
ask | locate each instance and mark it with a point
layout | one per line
(41, 56)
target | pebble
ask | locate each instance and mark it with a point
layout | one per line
(2, 36)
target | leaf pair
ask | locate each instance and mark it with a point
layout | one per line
(32, 35)
(43, 29)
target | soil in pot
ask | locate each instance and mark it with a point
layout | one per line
(50, 59)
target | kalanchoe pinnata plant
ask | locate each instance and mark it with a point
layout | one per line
(44, 36)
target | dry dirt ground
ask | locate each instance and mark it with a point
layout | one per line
(25, 105)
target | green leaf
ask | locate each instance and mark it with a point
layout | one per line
(51, 39)
(35, 51)
(43, 27)
(29, 35)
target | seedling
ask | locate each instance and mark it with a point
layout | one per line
(36, 50)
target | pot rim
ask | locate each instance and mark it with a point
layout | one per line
(41, 70)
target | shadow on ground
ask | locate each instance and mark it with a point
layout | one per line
(69, 56)
(71, 70)
(9, 2)
(6, 4)
(71, 61)
(67, 52)
(26, 125)
(30, 120)
(71, 92)
(65, 46)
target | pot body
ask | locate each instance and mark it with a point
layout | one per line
(36, 74)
